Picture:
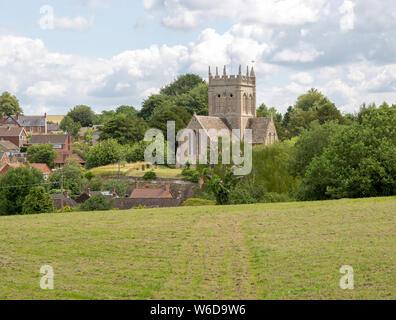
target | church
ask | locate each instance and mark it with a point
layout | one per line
(232, 105)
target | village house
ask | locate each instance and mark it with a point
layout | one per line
(151, 193)
(61, 144)
(32, 124)
(14, 134)
(42, 167)
(63, 200)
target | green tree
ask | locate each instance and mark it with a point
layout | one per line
(182, 84)
(312, 142)
(104, 153)
(9, 105)
(70, 126)
(129, 111)
(82, 114)
(180, 115)
(119, 185)
(152, 103)
(194, 101)
(124, 129)
(43, 153)
(221, 187)
(309, 107)
(37, 201)
(135, 153)
(73, 177)
(358, 162)
(15, 185)
(97, 202)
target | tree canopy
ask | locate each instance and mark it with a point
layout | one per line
(124, 129)
(83, 115)
(43, 153)
(15, 185)
(9, 105)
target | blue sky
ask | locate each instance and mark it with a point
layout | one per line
(106, 53)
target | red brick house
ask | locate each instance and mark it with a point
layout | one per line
(61, 144)
(151, 193)
(15, 134)
(32, 124)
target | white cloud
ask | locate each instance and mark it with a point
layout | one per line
(193, 13)
(302, 77)
(76, 24)
(347, 21)
(301, 54)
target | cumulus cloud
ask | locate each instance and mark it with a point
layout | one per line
(76, 24)
(347, 21)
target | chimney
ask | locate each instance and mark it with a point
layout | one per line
(89, 191)
(167, 186)
(67, 193)
(115, 195)
(136, 184)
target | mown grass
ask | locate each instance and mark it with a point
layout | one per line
(264, 251)
(135, 170)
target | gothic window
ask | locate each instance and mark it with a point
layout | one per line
(250, 104)
(245, 103)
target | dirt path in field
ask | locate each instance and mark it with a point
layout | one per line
(213, 262)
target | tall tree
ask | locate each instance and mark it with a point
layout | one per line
(182, 84)
(37, 201)
(104, 153)
(9, 105)
(152, 103)
(15, 185)
(70, 126)
(124, 129)
(82, 114)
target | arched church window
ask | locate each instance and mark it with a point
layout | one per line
(245, 103)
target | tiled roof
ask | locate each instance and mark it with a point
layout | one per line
(53, 127)
(8, 145)
(144, 193)
(63, 157)
(6, 131)
(259, 128)
(57, 200)
(212, 123)
(42, 167)
(49, 139)
(30, 121)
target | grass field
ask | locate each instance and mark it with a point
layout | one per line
(135, 170)
(266, 251)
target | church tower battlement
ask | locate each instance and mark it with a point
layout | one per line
(233, 97)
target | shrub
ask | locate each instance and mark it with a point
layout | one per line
(150, 175)
(37, 201)
(97, 203)
(272, 197)
(96, 184)
(89, 175)
(241, 195)
(139, 207)
(190, 174)
(66, 209)
(195, 202)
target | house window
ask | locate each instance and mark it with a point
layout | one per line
(39, 129)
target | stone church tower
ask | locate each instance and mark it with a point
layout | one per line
(232, 106)
(233, 98)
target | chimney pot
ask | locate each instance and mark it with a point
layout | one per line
(89, 191)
